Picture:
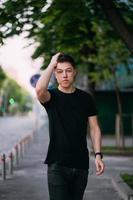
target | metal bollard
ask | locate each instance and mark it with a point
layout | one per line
(21, 149)
(26, 142)
(16, 155)
(11, 163)
(24, 145)
(3, 159)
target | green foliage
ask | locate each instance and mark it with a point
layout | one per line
(16, 98)
(128, 178)
(77, 27)
(2, 77)
(114, 149)
(111, 53)
(15, 14)
(65, 29)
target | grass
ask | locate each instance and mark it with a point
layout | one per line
(115, 150)
(128, 178)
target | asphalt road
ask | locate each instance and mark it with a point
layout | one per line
(13, 129)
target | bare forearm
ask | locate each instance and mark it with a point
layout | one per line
(42, 83)
(95, 134)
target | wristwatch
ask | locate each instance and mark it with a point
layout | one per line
(99, 153)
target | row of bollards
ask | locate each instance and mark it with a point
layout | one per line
(11, 160)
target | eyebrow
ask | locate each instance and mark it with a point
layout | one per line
(62, 69)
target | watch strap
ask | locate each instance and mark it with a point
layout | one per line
(99, 153)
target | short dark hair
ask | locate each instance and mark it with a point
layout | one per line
(66, 58)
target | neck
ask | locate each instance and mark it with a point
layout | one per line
(70, 89)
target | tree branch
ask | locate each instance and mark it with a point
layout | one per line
(117, 22)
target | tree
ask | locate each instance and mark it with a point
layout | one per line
(110, 56)
(117, 21)
(64, 25)
(71, 26)
(14, 96)
(2, 77)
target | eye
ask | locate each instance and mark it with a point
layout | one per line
(69, 70)
(59, 71)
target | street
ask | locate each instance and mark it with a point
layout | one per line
(12, 129)
(29, 181)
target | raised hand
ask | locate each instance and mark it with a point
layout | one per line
(53, 62)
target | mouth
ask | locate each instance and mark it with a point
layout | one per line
(65, 81)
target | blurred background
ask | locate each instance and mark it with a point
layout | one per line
(99, 36)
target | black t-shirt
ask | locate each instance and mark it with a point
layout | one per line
(68, 117)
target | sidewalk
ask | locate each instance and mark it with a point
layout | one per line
(29, 181)
(111, 141)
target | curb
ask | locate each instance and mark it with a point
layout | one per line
(11, 159)
(123, 189)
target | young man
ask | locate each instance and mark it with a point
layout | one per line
(69, 110)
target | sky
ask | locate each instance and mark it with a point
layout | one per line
(15, 59)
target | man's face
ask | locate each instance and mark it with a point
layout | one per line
(65, 74)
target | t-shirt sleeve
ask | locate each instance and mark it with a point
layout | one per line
(48, 103)
(92, 109)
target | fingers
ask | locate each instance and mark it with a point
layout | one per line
(53, 61)
(57, 54)
(99, 167)
(54, 58)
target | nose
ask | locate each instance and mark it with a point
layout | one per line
(64, 74)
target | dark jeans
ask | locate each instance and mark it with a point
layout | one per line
(66, 183)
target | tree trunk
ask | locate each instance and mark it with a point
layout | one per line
(117, 22)
(121, 143)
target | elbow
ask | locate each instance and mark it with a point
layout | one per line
(39, 92)
(38, 89)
